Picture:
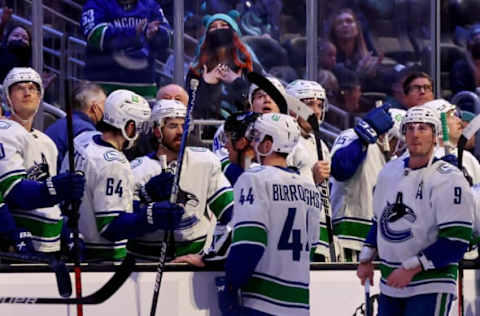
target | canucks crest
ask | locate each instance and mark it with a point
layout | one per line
(39, 171)
(396, 220)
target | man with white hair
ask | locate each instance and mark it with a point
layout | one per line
(422, 224)
(28, 166)
(108, 214)
(203, 188)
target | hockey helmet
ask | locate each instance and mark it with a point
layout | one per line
(282, 128)
(167, 109)
(237, 124)
(307, 89)
(422, 114)
(124, 106)
(441, 106)
(21, 74)
(254, 88)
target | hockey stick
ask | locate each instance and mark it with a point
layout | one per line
(368, 307)
(74, 213)
(467, 133)
(324, 190)
(174, 195)
(105, 292)
(64, 284)
(265, 84)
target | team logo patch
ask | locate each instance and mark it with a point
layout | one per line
(396, 221)
(113, 155)
(445, 168)
(135, 163)
(4, 125)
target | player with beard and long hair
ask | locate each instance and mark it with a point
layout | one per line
(203, 188)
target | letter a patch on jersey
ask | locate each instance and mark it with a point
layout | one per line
(420, 191)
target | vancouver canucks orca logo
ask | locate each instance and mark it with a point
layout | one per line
(39, 171)
(393, 213)
(185, 198)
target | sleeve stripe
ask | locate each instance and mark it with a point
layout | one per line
(96, 35)
(17, 172)
(103, 222)
(218, 193)
(222, 202)
(250, 223)
(107, 213)
(452, 224)
(456, 233)
(250, 234)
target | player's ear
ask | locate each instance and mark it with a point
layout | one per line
(156, 132)
(241, 144)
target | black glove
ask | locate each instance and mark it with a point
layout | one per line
(158, 188)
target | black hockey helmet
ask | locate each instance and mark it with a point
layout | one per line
(237, 124)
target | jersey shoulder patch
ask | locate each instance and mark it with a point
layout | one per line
(113, 155)
(445, 168)
(5, 124)
(136, 162)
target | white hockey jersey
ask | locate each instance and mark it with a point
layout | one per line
(469, 162)
(413, 208)
(108, 193)
(209, 195)
(280, 211)
(31, 155)
(351, 200)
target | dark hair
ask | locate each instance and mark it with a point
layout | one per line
(238, 123)
(415, 75)
(11, 28)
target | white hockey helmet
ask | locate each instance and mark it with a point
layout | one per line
(254, 88)
(307, 89)
(282, 128)
(21, 74)
(167, 109)
(441, 105)
(422, 114)
(124, 106)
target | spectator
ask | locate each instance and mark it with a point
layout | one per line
(123, 39)
(418, 89)
(347, 36)
(327, 55)
(16, 51)
(173, 92)
(465, 74)
(88, 101)
(221, 64)
(6, 15)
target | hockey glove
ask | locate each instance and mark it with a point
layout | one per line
(68, 244)
(158, 188)
(66, 186)
(164, 215)
(228, 297)
(21, 239)
(376, 122)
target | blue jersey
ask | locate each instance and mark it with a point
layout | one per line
(116, 54)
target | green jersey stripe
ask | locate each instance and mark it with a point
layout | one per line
(95, 38)
(103, 221)
(351, 228)
(114, 254)
(250, 233)
(457, 233)
(8, 183)
(448, 272)
(39, 228)
(221, 202)
(277, 291)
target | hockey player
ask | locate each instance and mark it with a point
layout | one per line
(305, 156)
(276, 216)
(108, 216)
(455, 128)
(123, 39)
(422, 224)
(28, 164)
(204, 190)
(357, 158)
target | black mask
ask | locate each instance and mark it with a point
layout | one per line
(20, 50)
(219, 37)
(475, 49)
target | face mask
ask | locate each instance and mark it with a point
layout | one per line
(21, 50)
(220, 37)
(475, 49)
